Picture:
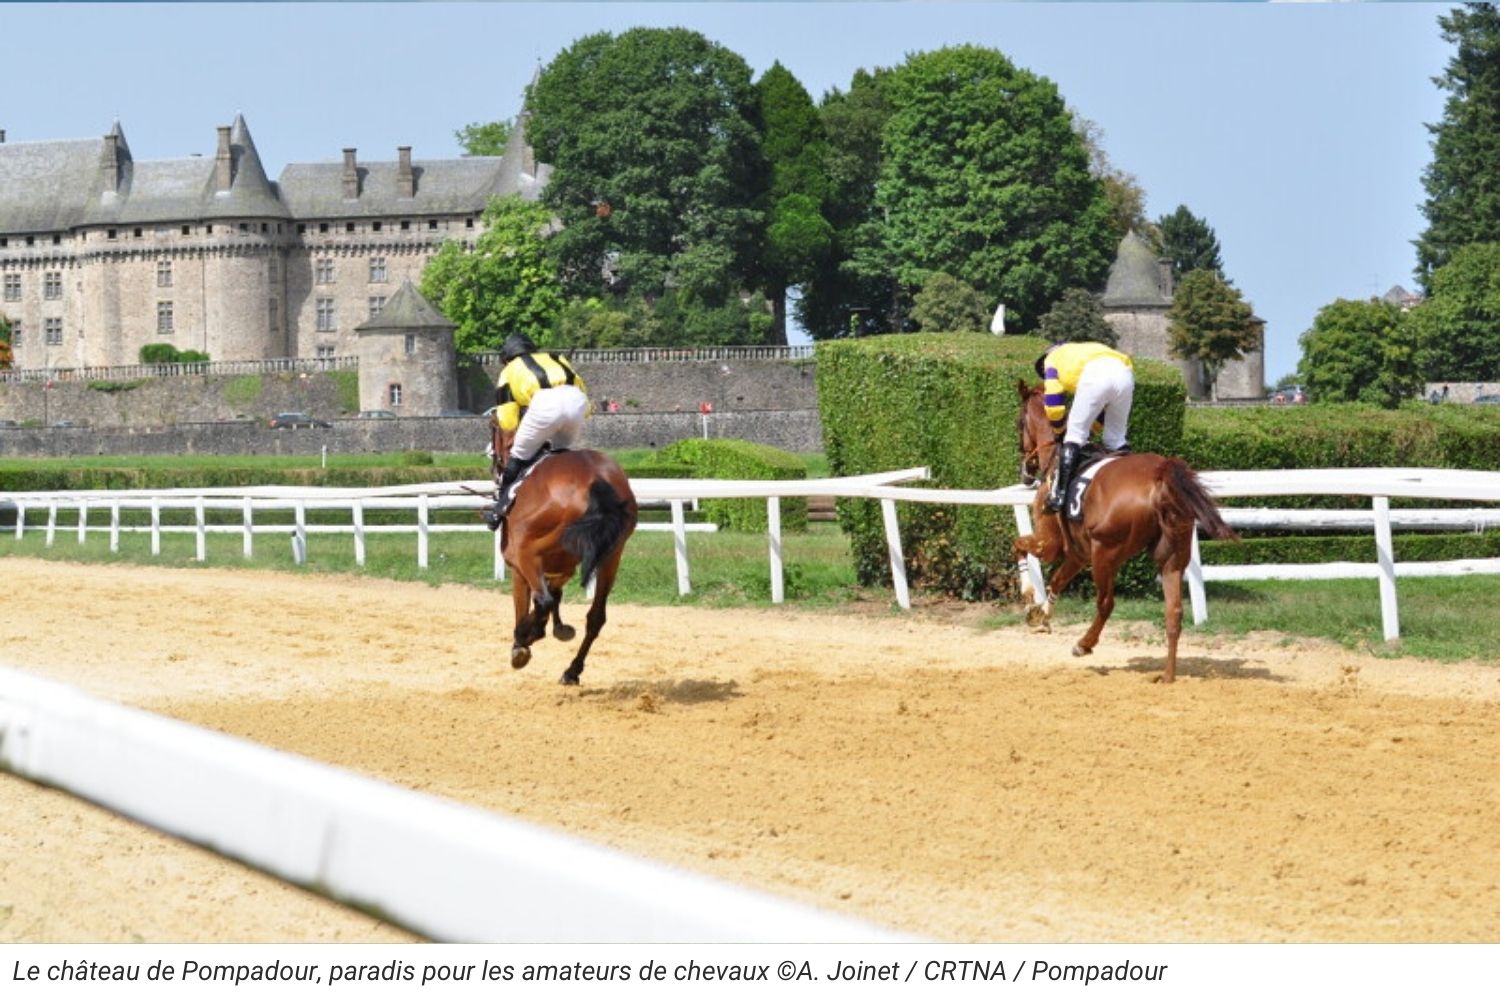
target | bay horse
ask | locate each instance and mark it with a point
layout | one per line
(1136, 503)
(575, 509)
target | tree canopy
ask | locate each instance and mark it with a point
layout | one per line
(657, 171)
(984, 177)
(505, 285)
(1456, 327)
(1463, 200)
(1355, 352)
(484, 138)
(1209, 322)
(947, 304)
(1075, 317)
(1189, 242)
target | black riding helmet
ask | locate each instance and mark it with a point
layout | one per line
(1041, 367)
(516, 345)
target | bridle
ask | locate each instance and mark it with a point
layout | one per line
(1034, 461)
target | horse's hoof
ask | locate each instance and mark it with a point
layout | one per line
(568, 679)
(564, 632)
(1080, 651)
(519, 657)
(1036, 615)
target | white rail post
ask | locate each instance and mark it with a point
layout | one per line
(51, 523)
(1029, 566)
(20, 520)
(679, 547)
(155, 526)
(299, 535)
(83, 521)
(1196, 594)
(1385, 553)
(422, 531)
(893, 546)
(499, 554)
(114, 526)
(247, 520)
(357, 514)
(773, 528)
(201, 530)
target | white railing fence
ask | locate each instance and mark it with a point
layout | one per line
(423, 500)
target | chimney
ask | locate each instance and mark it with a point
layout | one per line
(223, 162)
(406, 182)
(2, 135)
(112, 162)
(351, 175)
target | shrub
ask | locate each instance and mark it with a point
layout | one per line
(949, 402)
(727, 458)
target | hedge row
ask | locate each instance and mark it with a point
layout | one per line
(727, 458)
(950, 402)
(163, 478)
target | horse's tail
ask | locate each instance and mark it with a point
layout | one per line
(1182, 496)
(602, 526)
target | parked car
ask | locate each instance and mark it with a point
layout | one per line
(8, 424)
(1290, 394)
(291, 421)
(375, 415)
(1487, 399)
(456, 413)
(66, 423)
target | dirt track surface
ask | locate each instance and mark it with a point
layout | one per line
(913, 770)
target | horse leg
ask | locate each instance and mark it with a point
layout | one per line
(544, 607)
(1104, 604)
(520, 592)
(560, 630)
(604, 580)
(1172, 565)
(1039, 616)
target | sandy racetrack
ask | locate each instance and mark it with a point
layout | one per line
(910, 770)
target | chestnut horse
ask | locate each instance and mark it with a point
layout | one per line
(1136, 503)
(575, 509)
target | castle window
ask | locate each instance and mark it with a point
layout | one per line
(56, 240)
(31, 241)
(431, 223)
(324, 270)
(405, 225)
(265, 228)
(53, 329)
(411, 343)
(4, 241)
(52, 285)
(137, 232)
(322, 227)
(377, 269)
(377, 303)
(301, 228)
(164, 318)
(395, 393)
(13, 288)
(244, 227)
(469, 223)
(274, 312)
(208, 229)
(326, 351)
(348, 227)
(375, 225)
(111, 233)
(164, 274)
(187, 230)
(15, 333)
(325, 315)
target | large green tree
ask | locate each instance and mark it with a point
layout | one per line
(505, 285)
(656, 164)
(1190, 243)
(1355, 352)
(1458, 327)
(983, 177)
(854, 290)
(1127, 199)
(6, 357)
(946, 304)
(1209, 322)
(798, 236)
(1463, 198)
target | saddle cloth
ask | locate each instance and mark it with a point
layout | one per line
(527, 470)
(1091, 464)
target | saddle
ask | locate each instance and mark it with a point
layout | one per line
(543, 453)
(1090, 460)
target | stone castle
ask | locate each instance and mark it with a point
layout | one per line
(101, 254)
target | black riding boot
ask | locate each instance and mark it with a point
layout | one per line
(495, 513)
(1067, 464)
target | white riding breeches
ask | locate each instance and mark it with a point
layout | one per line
(555, 415)
(1105, 386)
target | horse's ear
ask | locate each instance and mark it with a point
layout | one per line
(1023, 388)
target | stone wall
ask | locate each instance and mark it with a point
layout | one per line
(793, 430)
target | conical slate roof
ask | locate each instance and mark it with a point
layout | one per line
(406, 310)
(1135, 278)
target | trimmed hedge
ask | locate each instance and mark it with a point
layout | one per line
(728, 458)
(950, 402)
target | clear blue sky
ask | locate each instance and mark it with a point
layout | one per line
(1296, 130)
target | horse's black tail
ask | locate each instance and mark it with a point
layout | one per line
(1184, 494)
(594, 535)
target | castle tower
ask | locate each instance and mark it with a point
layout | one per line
(406, 359)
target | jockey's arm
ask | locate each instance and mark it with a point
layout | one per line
(1055, 401)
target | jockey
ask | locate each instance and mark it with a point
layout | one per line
(540, 398)
(1101, 381)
